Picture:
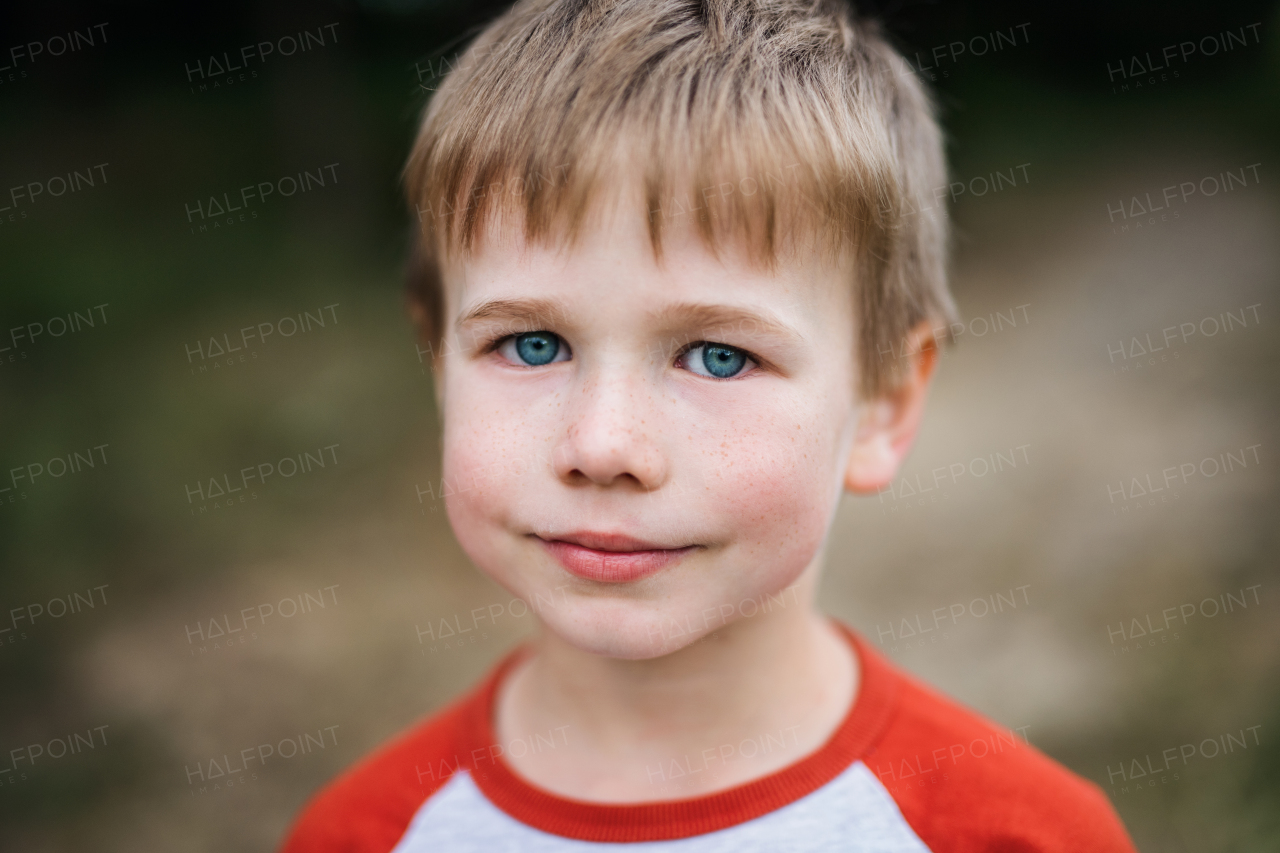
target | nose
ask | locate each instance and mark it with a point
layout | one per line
(610, 436)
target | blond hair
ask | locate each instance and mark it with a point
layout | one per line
(784, 124)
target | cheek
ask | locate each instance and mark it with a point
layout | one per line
(497, 452)
(485, 446)
(775, 484)
(479, 498)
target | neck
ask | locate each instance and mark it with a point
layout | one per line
(779, 677)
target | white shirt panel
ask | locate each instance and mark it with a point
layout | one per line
(852, 813)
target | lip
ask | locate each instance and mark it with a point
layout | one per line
(610, 557)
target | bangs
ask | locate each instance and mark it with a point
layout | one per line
(780, 127)
(742, 136)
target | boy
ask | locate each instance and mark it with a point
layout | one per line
(665, 246)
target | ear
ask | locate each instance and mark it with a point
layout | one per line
(888, 425)
(421, 319)
(424, 299)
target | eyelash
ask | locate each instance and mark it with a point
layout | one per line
(496, 343)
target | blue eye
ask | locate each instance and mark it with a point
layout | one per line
(716, 361)
(534, 349)
(537, 348)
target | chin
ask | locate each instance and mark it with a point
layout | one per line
(624, 630)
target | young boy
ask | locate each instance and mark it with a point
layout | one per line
(666, 246)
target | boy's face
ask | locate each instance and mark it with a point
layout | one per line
(637, 487)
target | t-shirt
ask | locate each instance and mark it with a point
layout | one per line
(907, 770)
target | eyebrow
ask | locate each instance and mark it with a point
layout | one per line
(510, 310)
(705, 318)
(709, 318)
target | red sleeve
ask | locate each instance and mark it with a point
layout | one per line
(368, 808)
(966, 785)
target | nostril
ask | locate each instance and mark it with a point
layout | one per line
(604, 478)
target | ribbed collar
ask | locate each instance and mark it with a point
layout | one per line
(669, 819)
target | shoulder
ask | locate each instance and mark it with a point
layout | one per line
(966, 784)
(369, 806)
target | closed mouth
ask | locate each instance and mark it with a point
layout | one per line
(610, 557)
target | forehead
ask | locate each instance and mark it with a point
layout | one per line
(610, 269)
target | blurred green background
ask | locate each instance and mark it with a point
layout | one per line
(364, 535)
